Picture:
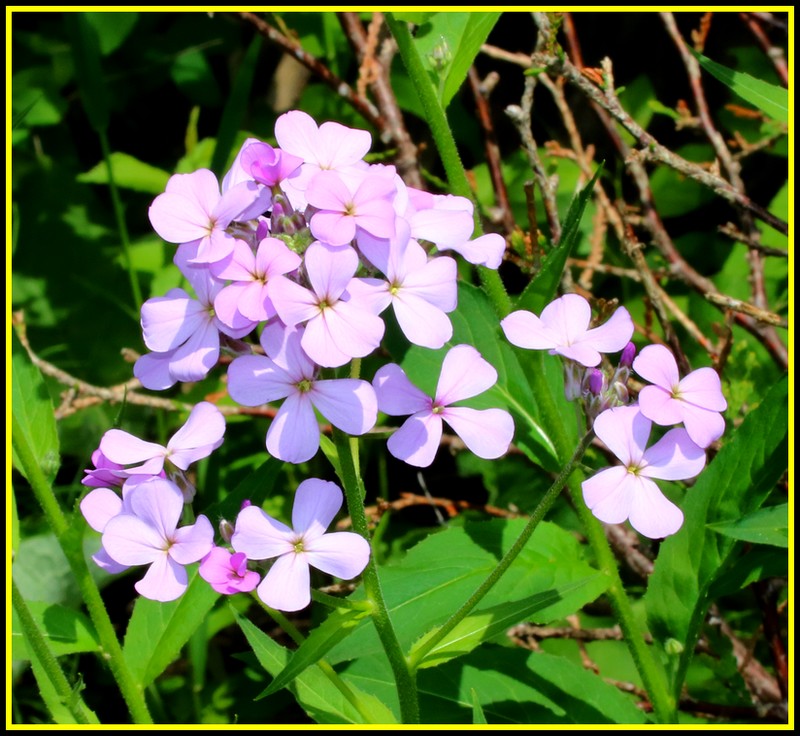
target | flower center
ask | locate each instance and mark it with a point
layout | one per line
(304, 386)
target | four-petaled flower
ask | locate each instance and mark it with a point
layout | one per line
(627, 491)
(286, 586)
(487, 432)
(227, 573)
(563, 329)
(696, 400)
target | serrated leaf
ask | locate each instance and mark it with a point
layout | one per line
(313, 690)
(765, 526)
(128, 173)
(336, 627)
(66, 630)
(157, 631)
(486, 623)
(735, 483)
(32, 408)
(769, 98)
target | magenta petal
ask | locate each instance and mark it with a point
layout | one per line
(260, 536)
(397, 396)
(343, 554)
(216, 566)
(287, 585)
(486, 432)
(417, 440)
(164, 581)
(316, 503)
(464, 374)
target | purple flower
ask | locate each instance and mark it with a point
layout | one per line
(247, 298)
(626, 491)
(487, 432)
(342, 210)
(339, 326)
(563, 329)
(184, 332)
(696, 401)
(98, 507)
(147, 533)
(420, 290)
(287, 373)
(193, 210)
(227, 573)
(287, 584)
(198, 438)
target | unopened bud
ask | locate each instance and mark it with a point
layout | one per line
(596, 381)
(226, 530)
(628, 354)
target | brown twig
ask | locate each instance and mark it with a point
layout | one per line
(775, 53)
(344, 90)
(376, 74)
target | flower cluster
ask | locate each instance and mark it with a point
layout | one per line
(628, 491)
(290, 261)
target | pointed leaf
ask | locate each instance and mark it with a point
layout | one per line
(765, 526)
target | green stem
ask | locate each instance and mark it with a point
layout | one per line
(446, 144)
(652, 675)
(71, 544)
(40, 649)
(122, 228)
(404, 676)
(509, 557)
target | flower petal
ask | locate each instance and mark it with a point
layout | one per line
(673, 457)
(198, 437)
(293, 435)
(417, 440)
(656, 364)
(347, 403)
(260, 536)
(486, 432)
(192, 543)
(287, 585)
(625, 431)
(397, 396)
(343, 554)
(652, 513)
(316, 503)
(99, 507)
(164, 581)
(464, 374)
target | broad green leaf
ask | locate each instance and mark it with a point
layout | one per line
(448, 44)
(66, 630)
(129, 173)
(193, 75)
(513, 687)
(112, 28)
(157, 631)
(313, 689)
(486, 623)
(440, 573)
(542, 288)
(32, 407)
(758, 563)
(765, 526)
(769, 98)
(336, 627)
(734, 484)
(42, 573)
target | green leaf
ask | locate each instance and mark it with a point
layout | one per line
(456, 39)
(734, 484)
(88, 69)
(193, 75)
(438, 574)
(112, 28)
(765, 526)
(67, 631)
(313, 690)
(336, 627)
(33, 410)
(157, 631)
(129, 173)
(486, 623)
(769, 98)
(542, 288)
(478, 716)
